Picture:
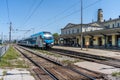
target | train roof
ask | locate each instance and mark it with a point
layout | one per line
(40, 33)
(35, 35)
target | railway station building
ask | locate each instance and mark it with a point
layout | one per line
(99, 34)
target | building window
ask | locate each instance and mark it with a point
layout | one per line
(77, 30)
(108, 26)
(73, 31)
(62, 32)
(113, 26)
(69, 31)
(118, 25)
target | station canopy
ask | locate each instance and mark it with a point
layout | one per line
(93, 33)
(103, 32)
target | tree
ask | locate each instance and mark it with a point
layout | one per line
(56, 38)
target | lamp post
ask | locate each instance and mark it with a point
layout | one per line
(81, 25)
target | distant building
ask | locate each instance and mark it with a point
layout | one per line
(101, 33)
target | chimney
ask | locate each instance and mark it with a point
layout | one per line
(100, 15)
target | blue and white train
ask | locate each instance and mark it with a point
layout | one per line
(41, 40)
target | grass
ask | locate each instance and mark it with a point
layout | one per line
(1, 79)
(4, 73)
(116, 74)
(11, 59)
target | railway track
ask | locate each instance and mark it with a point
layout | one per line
(89, 57)
(55, 70)
(40, 68)
(41, 75)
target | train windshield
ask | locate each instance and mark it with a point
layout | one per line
(48, 36)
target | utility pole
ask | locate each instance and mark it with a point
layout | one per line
(10, 32)
(81, 25)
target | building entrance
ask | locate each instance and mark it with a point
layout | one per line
(118, 40)
(109, 41)
(100, 41)
(91, 41)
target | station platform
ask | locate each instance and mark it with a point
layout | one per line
(98, 52)
(15, 74)
(101, 68)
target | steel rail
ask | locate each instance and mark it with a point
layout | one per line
(45, 70)
(55, 62)
(89, 57)
(86, 54)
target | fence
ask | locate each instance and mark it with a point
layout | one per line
(3, 49)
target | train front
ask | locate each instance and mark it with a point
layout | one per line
(48, 40)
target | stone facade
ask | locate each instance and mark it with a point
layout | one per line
(98, 34)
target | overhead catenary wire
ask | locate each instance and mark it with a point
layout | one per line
(10, 28)
(72, 7)
(61, 18)
(8, 10)
(70, 14)
(29, 10)
(91, 4)
(65, 10)
(29, 17)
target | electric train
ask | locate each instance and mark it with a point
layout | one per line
(41, 40)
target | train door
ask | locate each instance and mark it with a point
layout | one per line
(39, 41)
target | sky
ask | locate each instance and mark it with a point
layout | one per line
(32, 16)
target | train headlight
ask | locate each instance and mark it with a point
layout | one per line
(44, 43)
(52, 43)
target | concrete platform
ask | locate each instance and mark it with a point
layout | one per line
(18, 77)
(16, 74)
(98, 52)
(1, 73)
(98, 67)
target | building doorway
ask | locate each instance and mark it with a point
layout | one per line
(100, 41)
(109, 41)
(118, 40)
(83, 41)
(91, 41)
